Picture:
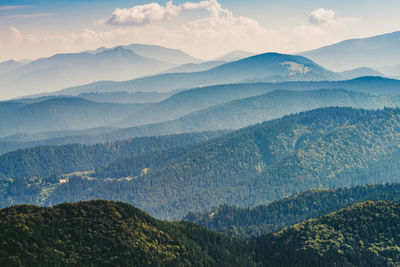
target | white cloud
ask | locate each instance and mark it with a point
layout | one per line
(211, 5)
(143, 14)
(205, 35)
(322, 16)
(154, 12)
(323, 28)
(218, 31)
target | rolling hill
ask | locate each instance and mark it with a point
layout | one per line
(235, 55)
(195, 67)
(360, 72)
(9, 65)
(247, 111)
(373, 52)
(185, 102)
(64, 113)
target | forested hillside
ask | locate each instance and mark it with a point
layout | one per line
(365, 234)
(323, 148)
(331, 147)
(45, 161)
(263, 219)
(116, 234)
(102, 233)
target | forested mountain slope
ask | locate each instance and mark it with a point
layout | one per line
(365, 234)
(328, 148)
(263, 219)
(102, 233)
(117, 234)
(45, 161)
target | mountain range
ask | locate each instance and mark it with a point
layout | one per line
(141, 155)
(374, 52)
(323, 148)
(65, 70)
(204, 108)
(360, 72)
(68, 113)
(269, 67)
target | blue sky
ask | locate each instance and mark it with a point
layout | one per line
(206, 29)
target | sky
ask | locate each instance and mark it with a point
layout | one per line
(204, 29)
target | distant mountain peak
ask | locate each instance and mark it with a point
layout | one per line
(374, 52)
(235, 55)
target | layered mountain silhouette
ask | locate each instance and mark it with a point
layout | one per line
(68, 113)
(374, 52)
(65, 70)
(328, 148)
(269, 67)
(360, 72)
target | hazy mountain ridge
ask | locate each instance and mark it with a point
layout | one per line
(68, 113)
(200, 98)
(195, 67)
(65, 70)
(265, 67)
(240, 113)
(374, 52)
(360, 72)
(9, 65)
(187, 101)
(235, 55)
